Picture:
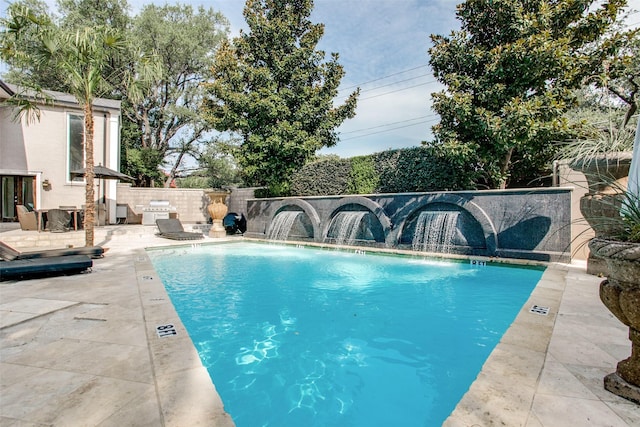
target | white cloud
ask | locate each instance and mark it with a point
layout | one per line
(375, 38)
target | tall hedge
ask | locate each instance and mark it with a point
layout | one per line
(322, 178)
(426, 168)
(364, 176)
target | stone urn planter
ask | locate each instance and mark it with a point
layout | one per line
(607, 177)
(217, 210)
(620, 293)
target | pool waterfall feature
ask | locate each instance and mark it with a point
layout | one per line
(282, 224)
(346, 226)
(435, 231)
(526, 224)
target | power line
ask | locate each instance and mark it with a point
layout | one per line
(382, 78)
(398, 82)
(386, 130)
(388, 124)
(394, 91)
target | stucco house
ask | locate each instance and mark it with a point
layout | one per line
(36, 158)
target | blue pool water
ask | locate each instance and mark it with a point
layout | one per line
(307, 337)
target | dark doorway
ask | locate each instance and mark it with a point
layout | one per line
(15, 190)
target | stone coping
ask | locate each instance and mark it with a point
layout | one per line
(523, 382)
(504, 389)
(186, 393)
(508, 389)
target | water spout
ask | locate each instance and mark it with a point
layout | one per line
(344, 227)
(282, 224)
(435, 231)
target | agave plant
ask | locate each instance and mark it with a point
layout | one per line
(619, 213)
(599, 145)
(630, 212)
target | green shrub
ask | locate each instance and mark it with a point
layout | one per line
(363, 174)
(278, 189)
(426, 168)
(323, 178)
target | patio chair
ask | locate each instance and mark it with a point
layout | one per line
(172, 229)
(8, 253)
(40, 267)
(27, 219)
(59, 220)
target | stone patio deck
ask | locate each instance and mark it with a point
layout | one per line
(83, 350)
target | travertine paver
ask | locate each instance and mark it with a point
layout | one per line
(576, 346)
(83, 350)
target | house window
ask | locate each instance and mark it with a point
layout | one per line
(76, 149)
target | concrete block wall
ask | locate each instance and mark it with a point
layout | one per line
(237, 200)
(190, 204)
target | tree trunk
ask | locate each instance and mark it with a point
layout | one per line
(174, 170)
(505, 168)
(90, 207)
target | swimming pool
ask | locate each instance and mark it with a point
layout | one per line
(299, 336)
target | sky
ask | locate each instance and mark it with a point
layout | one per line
(383, 46)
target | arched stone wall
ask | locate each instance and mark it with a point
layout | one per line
(475, 211)
(369, 205)
(518, 223)
(305, 207)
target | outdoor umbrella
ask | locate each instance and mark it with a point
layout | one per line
(103, 172)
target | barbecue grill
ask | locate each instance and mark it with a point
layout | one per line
(157, 209)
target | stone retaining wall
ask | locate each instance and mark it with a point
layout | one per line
(528, 223)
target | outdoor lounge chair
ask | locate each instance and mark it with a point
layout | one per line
(172, 229)
(27, 219)
(39, 267)
(9, 254)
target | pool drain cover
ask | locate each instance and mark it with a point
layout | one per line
(538, 309)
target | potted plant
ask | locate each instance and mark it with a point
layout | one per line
(604, 156)
(620, 292)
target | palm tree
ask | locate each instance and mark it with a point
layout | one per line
(84, 56)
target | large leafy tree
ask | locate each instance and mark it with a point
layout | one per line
(73, 14)
(166, 125)
(18, 72)
(110, 13)
(622, 72)
(80, 56)
(273, 88)
(161, 123)
(217, 169)
(510, 75)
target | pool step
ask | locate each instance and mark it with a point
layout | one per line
(32, 239)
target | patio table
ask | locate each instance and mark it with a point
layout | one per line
(72, 210)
